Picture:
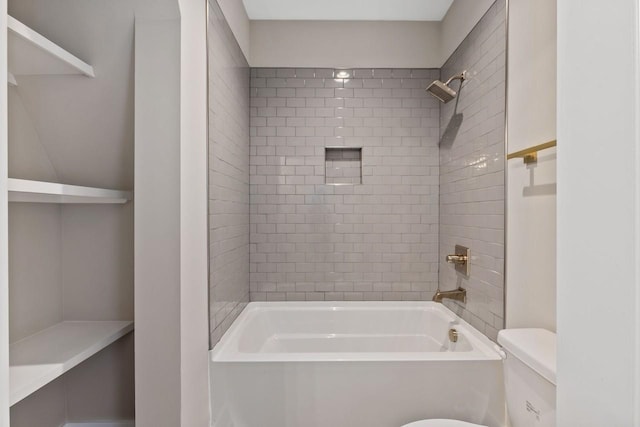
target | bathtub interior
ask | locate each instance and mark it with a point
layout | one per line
(365, 331)
(373, 364)
(357, 343)
(338, 330)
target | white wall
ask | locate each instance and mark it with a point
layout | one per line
(171, 222)
(157, 223)
(27, 157)
(44, 408)
(96, 261)
(35, 295)
(194, 333)
(111, 372)
(460, 19)
(355, 44)
(348, 44)
(531, 190)
(236, 16)
(4, 276)
(598, 214)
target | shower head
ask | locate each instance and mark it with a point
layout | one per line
(442, 91)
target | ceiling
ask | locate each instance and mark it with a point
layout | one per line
(348, 10)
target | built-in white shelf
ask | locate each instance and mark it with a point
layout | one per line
(103, 424)
(24, 190)
(40, 358)
(30, 53)
(11, 79)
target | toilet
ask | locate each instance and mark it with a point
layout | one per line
(530, 380)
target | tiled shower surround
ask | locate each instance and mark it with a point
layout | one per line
(472, 173)
(377, 240)
(418, 177)
(228, 175)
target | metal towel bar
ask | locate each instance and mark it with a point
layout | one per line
(530, 155)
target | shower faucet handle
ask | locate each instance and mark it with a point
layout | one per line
(460, 259)
(457, 259)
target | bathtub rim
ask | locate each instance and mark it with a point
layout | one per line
(223, 352)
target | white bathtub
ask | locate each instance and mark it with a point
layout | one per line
(353, 364)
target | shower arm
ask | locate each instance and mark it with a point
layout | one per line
(462, 76)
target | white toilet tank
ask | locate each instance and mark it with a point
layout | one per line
(530, 376)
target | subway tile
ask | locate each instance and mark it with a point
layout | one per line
(286, 72)
(363, 73)
(472, 192)
(264, 72)
(295, 102)
(286, 92)
(382, 73)
(276, 82)
(351, 83)
(276, 102)
(372, 83)
(322, 73)
(378, 240)
(258, 82)
(333, 83)
(401, 73)
(334, 102)
(313, 83)
(305, 72)
(305, 92)
(230, 226)
(325, 93)
(294, 83)
(315, 102)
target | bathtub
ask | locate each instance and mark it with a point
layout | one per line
(353, 364)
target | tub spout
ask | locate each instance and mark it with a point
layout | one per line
(459, 294)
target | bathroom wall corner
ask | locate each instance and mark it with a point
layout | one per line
(472, 160)
(228, 174)
(239, 23)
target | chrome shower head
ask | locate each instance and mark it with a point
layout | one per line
(442, 91)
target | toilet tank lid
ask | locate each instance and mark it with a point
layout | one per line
(536, 348)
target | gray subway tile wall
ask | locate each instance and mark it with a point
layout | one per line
(377, 240)
(428, 176)
(229, 78)
(472, 172)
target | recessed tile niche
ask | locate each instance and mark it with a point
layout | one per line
(343, 165)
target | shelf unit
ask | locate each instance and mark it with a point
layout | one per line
(30, 53)
(40, 358)
(23, 190)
